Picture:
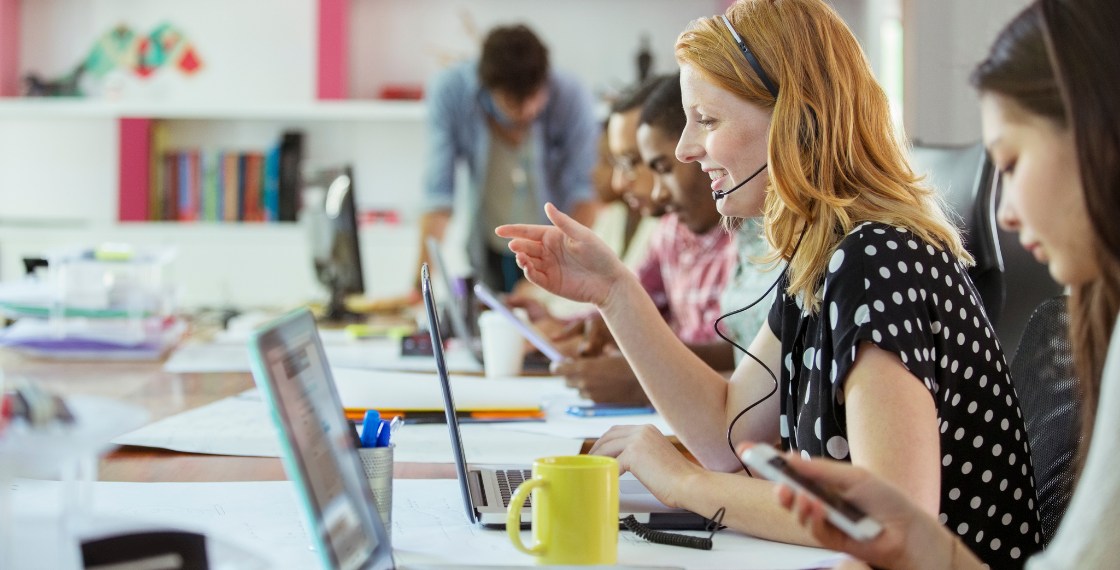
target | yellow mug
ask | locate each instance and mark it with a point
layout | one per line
(575, 510)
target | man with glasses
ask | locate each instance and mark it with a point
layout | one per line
(527, 134)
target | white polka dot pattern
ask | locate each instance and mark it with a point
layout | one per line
(914, 300)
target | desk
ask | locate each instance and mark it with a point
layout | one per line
(163, 394)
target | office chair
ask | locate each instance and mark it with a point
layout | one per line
(1043, 374)
(966, 179)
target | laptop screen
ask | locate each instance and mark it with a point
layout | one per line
(290, 368)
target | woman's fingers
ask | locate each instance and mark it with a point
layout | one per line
(528, 247)
(565, 223)
(785, 496)
(523, 231)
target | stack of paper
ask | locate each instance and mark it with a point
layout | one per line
(241, 425)
(379, 354)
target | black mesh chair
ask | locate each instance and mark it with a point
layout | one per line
(1044, 379)
(965, 178)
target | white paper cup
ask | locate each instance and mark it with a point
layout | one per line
(503, 348)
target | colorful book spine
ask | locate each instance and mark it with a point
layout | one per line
(272, 184)
(195, 160)
(210, 186)
(229, 188)
(171, 188)
(221, 182)
(253, 210)
(241, 187)
(184, 186)
(158, 178)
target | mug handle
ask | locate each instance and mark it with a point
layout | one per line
(513, 518)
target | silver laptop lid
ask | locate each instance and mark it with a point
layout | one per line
(448, 399)
(290, 368)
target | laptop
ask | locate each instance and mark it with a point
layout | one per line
(319, 453)
(290, 368)
(487, 490)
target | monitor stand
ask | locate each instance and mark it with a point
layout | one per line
(336, 311)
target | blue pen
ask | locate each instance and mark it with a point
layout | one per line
(383, 434)
(370, 426)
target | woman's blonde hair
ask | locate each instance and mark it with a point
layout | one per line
(834, 156)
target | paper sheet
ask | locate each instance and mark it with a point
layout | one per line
(429, 526)
(366, 389)
(562, 424)
(240, 425)
(370, 354)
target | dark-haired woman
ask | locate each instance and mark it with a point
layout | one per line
(1050, 97)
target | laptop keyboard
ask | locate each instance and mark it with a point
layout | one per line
(508, 481)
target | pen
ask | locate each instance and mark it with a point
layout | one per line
(370, 426)
(383, 433)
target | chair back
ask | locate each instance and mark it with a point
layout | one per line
(1043, 374)
(965, 178)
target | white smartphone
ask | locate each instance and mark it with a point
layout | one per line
(766, 461)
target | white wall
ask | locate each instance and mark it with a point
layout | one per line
(945, 39)
(404, 41)
(58, 177)
(252, 50)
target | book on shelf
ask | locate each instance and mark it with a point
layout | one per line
(215, 185)
(291, 158)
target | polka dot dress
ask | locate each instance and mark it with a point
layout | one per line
(886, 286)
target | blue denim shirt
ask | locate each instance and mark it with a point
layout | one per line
(564, 139)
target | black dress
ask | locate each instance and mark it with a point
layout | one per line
(887, 286)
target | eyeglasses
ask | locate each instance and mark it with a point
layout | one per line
(627, 165)
(751, 59)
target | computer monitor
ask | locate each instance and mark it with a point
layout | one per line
(334, 241)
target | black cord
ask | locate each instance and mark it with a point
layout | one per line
(773, 376)
(671, 539)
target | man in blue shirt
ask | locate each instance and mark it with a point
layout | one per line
(528, 136)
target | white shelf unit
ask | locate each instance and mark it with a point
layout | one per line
(352, 110)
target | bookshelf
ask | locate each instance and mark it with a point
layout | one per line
(70, 168)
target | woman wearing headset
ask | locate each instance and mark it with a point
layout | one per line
(1050, 98)
(882, 351)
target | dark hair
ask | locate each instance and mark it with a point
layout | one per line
(1059, 59)
(635, 96)
(664, 109)
(513, 61)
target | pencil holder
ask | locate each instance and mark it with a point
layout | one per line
(377, 462)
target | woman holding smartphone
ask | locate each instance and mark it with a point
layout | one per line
(881, 352)
(1050, 102)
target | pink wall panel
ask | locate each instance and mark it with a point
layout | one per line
(9, 48)
(334, 49)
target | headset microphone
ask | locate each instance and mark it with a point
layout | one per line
(723, 193)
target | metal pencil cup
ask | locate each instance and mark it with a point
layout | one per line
(377, 462)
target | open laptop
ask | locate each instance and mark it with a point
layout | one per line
(487, 490)
(319, 453)
(290, 368)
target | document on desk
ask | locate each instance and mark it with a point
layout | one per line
(429, 526)
(365, 354)
(561, 424)
(241, 425)
(367, 389)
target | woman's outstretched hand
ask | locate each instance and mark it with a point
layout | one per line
(566, 259)
(910, 539)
